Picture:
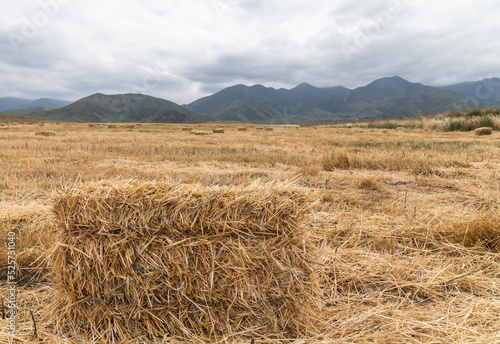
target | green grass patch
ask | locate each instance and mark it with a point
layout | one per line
(472, 123)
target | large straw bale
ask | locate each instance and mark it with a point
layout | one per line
(243, 129)
(187, 129)
(483, 131)
(218, 130)
(184, 260)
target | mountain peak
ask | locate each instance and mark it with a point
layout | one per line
(390, 80)
(390, 86)
(303, 86)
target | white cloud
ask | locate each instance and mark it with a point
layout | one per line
(182, 50)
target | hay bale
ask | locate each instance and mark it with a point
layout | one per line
(45, 133)
(483, 131)
(202, 133)
(187, 129)
(41, 124)
(269, 129)
(155, 259)
(243, 129)
(92, 125)
(260, 128)
(4, 128)
(129, 126)
(218, 130)
(111, 126)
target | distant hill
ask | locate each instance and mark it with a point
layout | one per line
(485, 92)
(426, 101)
(49, 102)
(32, 110)
(384, 89)
(11, 103)
(268, 105)
(385, 97)
(8, 118)
(123, 108)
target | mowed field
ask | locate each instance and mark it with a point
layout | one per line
(408, 220)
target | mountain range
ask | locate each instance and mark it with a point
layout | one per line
(382, 98)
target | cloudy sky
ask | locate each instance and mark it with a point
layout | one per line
(182, 50)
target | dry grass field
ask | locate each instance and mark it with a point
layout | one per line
(407, 222)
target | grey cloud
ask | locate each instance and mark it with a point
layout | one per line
(256, 67)
(185, 50)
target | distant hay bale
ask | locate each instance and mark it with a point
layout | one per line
(45, 133)
(3, 124)
(483, 131)
(269, 129)
(187, 129)
(243, 129)
(202, 133)
(218, 130)
(41, 124)
(4, 128)
(129, 126)
(155, 258)
(92, 125)
(111, 126)
(260, 128)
